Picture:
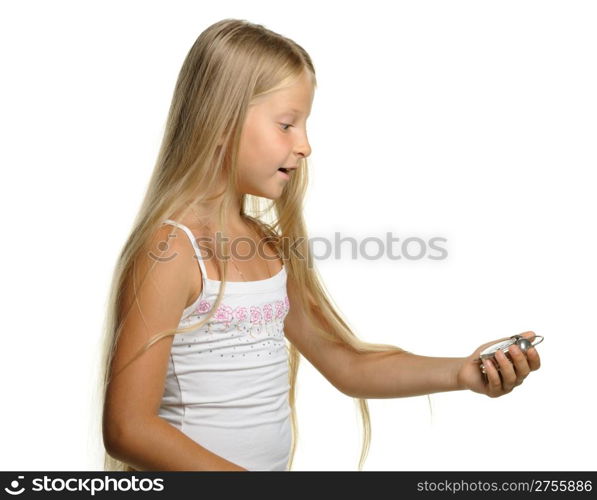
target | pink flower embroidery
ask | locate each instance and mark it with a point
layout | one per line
(241, 314)
(258, 317)
(224, 313)
(203, 307)
(255, 314)
(280, 308)
(267, 312)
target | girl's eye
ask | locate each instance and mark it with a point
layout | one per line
(286, 125)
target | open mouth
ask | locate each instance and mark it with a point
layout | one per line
(282, 169)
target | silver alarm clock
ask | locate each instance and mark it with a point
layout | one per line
(519, 340)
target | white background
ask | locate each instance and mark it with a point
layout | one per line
(468, 120)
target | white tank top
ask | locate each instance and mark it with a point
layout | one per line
(227, 382)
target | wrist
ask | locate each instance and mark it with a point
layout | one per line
(454, 376)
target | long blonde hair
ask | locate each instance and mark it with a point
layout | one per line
(231, 63)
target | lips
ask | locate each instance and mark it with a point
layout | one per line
(287, 170)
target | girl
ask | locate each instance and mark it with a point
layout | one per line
(200, 362)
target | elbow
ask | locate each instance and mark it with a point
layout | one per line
(340, 383)
(113, 437)
(346, 385)
(121, 437)
(352, 392)
(346, 380)
(349, 381)
(117, 435)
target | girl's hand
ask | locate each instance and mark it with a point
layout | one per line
(511, 374)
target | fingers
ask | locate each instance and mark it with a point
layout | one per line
(528, 335)
(532, 356)
(494, 383)
(533, 359)
(510, 373)
(519, 368)
(507, 372)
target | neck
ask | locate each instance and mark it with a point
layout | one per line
(205, 217)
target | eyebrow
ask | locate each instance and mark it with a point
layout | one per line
(295, 110)
(298, 111)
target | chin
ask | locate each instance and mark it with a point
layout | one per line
(272, 194)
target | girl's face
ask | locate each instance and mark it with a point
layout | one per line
(274, 135)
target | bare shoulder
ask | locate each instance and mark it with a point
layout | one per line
(170, 245)
(171, 248)
(160, 281)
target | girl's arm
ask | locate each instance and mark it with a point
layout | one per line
(153, 444)
(371, 374)
(396, 374)
(132, 430)
(402, 374)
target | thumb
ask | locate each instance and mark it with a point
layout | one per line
(530, 336)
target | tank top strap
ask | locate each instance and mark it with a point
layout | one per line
(195, 246)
